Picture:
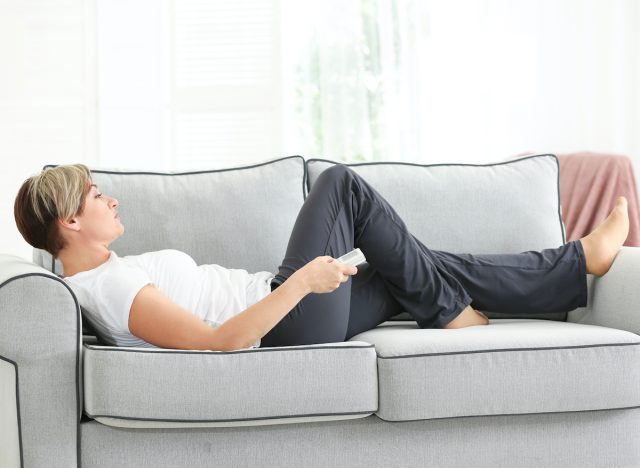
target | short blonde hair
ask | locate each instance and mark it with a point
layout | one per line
(55, 193)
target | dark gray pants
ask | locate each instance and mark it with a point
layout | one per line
(342, 211)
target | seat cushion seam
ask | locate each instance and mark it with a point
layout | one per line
(507, 350)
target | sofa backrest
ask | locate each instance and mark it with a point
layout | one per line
(242, 217)
(238, 218)
(506, 207)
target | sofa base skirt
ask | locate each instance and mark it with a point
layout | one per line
(575, 439)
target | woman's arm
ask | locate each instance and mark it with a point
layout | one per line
(158, 320)
(255, 322)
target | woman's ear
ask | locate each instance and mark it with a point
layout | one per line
(71, 224)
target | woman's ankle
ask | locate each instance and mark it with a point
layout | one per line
(467, 318)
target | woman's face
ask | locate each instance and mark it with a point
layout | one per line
(99, 220)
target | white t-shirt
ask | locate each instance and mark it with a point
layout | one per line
(211, 292)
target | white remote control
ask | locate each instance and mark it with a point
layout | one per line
(355, 258)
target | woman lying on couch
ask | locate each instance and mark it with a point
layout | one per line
(164, 299)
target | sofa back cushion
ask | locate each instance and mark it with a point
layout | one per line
(505, 207)
(235, 217)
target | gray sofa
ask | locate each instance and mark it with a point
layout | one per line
(526, 391)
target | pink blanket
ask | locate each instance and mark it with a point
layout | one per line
(589, 185)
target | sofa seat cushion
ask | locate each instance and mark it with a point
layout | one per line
(512, 366)
(151, 388)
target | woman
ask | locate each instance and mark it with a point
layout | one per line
(310, 299)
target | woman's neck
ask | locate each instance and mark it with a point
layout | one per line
(82, 259)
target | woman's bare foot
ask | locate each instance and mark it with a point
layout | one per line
(602, 245)
(467, 318)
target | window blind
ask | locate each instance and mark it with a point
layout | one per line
(226, 97)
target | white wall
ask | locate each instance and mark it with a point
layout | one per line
(132, 83)
(47, 97)
(504, 77)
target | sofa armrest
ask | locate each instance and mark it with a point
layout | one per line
(40, 337)
(614, 299)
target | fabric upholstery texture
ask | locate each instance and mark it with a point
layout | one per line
(229, 388)
(9, 426)
(40, 332)
(509, 367)
(585, 439)
(614, 299)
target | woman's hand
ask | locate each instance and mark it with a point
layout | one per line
(324, 275)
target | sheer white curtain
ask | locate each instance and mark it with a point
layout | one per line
(203, 83)
(350, 74)
(460, 80)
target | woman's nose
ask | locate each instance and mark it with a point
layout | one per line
(114, 202)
